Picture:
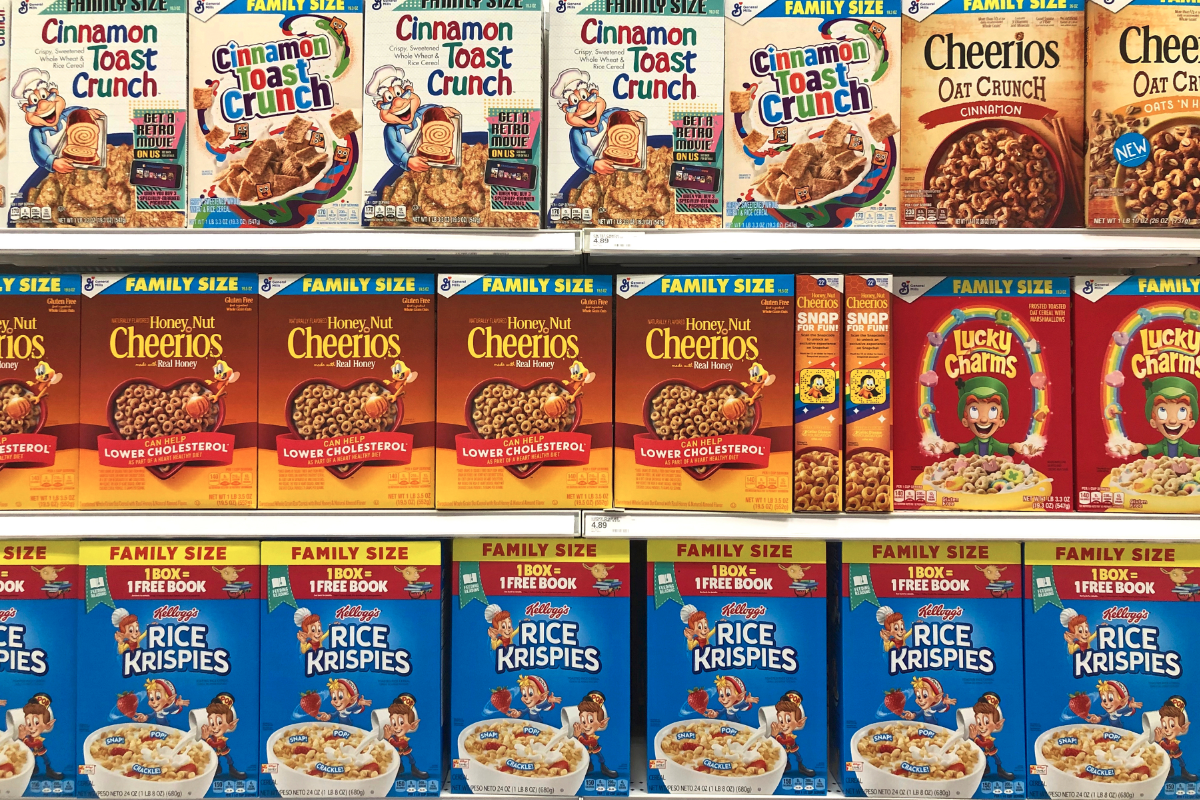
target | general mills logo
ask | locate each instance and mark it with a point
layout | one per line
(90, 283)
(21, 9)
(904, 287)
(625, 284)
(561, 7)
(266, 284)
(737, 9)
(1089, 287)
(378, 4)
(446, 283)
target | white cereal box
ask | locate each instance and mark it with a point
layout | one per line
(276, 113)
(96, 96)
(453, 129)
(635, 140)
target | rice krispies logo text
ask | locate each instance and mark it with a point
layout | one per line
(15, 655)
(812, 82)
(181, 646)
(937, 640)
(740, 639)
(1130, 647)
(544, 644)
(355, 643)
(273, 78)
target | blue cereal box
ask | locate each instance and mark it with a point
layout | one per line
(1109, 650)
(168, 684)
(352, 665)
(540, 667)
(39, 601)
(736, 643)
(931, 693)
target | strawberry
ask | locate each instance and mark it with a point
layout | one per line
(506, 768)
(310, 703)
(698, 699)
(188, 768)
(690, 746)
(702, 768)
(888, 748)
(6, 770)
(127, 703)
(957, 766)
(301, 749)
(759, 764)
(893, 700)
(1080, 704)
(314, 772)
(118, 751)
(1142, 770)
(719, 732)
(492, 745)
(1071, 752)
(369, 766)
(131, 774)
(501, 699)
(899, 771)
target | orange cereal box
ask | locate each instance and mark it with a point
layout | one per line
(817, 471)
(868, 358)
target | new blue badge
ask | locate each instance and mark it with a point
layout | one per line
(1131, 149)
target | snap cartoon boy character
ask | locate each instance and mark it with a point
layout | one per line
(500, 626)
(733, 697)
(403, 116)
(789, 718)
(893, 633)
(1173, 723)
(39, 720)
(345, 699)
(128, 635)
(1078, 635)
(1116, 702)
(162, 699)
(588, 115)
(536, 696)
(310, 635)
(222, 719)
(47, 113)
(930, 698)
(696, 632)
(983, 410)
(988, 720)
(1171, 407)
(592, 720)
(403, 720)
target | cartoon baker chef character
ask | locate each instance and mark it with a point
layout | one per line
(697, 632)
(46, 112)
(500, 626)
(402, 114)
(310, 635)
(587, 113)
(1078, 635)
(128, 635)
(892, 633)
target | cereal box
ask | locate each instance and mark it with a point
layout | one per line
(1108, 669)
(276, 105)
(5, 21)
(698, 425)
(867, 476)
(169, 391)
(39, 597)
(115, 154)
(1137, 365)
(817, 471)
(39, 387)
(930, 683)
(994, 108)
(636, 139)
(736, 641)
(352, 666)
(454, 123)
(168, 693)
(344, 420)
(813, 119)
(524, 400)
(540, 667)
(983, 414)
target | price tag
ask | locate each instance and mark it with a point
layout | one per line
(615, 240)
(605, 525)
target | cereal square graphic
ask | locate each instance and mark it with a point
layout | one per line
(817, 392)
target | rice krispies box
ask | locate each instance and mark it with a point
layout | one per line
(454, 115)
(39, 598)
(636, 139)
(540, 667)
(276, 105)
(1137, 365)
(39, 388)
(817, 469)
(169, 690)
(700, 424)
(351, 647)
(346, 398)
(169, 391)
(929, 648)
(1109, 642)
(96, 95)
(736, 641)
(983, 413)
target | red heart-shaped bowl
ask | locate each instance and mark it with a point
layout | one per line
(520, 470)
(43, 413)
(163, 471)
(342, 471)
(699, 473)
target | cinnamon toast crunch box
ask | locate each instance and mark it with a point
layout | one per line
(352, 665)
(540, 668)
(736, 641)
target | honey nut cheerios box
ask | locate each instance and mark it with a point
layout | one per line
(1108, 659)
(983, 409)
(867, 471)
(700, 424)
(96, 93)
(540, 667)
(169, 690)
(813, 114)
(346, 395)
(168, 391)
(635, 136)
(276, 108)
(1137, 341)
(736, 642)
(39, 388)
(351, 649)
(817, 469)
(524, 400)
(39, 595)
(929, 653)
(993, 114)
(454, 132)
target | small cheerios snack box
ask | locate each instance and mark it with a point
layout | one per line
(351, 651)
(983, 406)
(736, 641)
(867, 471)
(169, 690)
(1108, 661)
(39, 600)
(930, 672)
(817, 418)
(541, 697)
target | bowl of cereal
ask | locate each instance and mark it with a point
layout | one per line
(497, 408)
(904, 758)
(309, 753)
(16, 766)
(1159, 191)
(321, 409)
(1172, 482)
(140, 408)
(1085, 760)
(710, 756)
(512, 756)
(682, 410)
(130, 758)
(984, 483)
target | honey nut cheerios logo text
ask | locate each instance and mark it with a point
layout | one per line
(718, 339)
(524, 338)
(166, 337)
(17, 340)
(361, 340)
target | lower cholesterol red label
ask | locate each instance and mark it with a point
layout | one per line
(28, 448)
(650, 451)
(210, 447)
(395, 448)
(563, 448)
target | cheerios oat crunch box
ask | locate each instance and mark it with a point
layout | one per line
(817, 469)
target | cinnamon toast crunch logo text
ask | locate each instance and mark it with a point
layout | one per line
(273, 78)
(812, 82)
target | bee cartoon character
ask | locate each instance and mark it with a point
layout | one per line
(867, 391)
(44, 377)
(39, 720)
(893, 633)
(401, 377)
(579, 377)
(310, 635)
(1173, 723)
(222, 377)
(696, 632)
(759, 379)
(1078, 635)
(989, 720)
(500, 626)
(403, 720)
(789, 718)
(129, 635)
(816, 388)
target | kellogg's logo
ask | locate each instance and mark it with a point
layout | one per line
(357, 612)
(1125, 614)
(176, 613)
(7, 613)
(546, 609)
(742, 610)
(940, 611)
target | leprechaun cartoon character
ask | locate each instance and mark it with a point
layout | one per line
(1171, 408)
(697, 632)
(1173, 723)
(128, 634)
(593, 718)
(39, 721)
(789, 718)
(47, 113)
(983, 410)
(222, 720)
(1079, 635)
(500, 626)
(403, 720)
(310, 635)
(893, 632)
(403, 116)
(588, 115)
(988, 721)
